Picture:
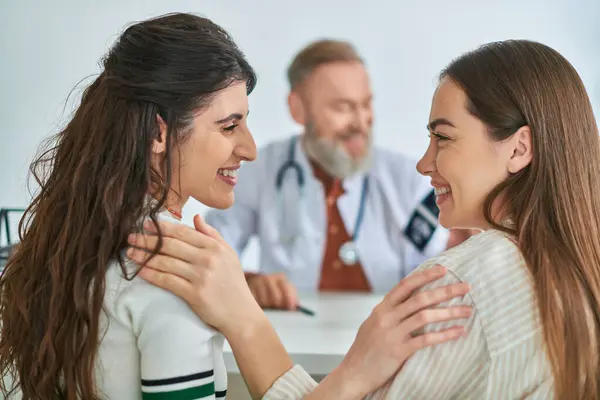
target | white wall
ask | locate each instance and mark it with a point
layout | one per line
(47, 47)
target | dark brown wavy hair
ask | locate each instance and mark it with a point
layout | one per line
(554, 201)
(93, 182)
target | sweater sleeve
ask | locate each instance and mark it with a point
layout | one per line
(293, 385)
(178, 352)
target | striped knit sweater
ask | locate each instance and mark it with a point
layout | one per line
(154, 347)
(502, 356)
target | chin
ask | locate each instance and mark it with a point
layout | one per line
(448, 222)
(444, 220)
(220, 203)
(457, 223)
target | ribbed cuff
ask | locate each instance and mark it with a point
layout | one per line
(293, 385)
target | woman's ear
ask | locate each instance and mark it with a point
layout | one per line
(297, 107)
(522, 150)
(160, 143)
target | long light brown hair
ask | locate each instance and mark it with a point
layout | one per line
(93, 184)
(554, 201)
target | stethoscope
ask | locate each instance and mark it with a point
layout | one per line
(347, 252)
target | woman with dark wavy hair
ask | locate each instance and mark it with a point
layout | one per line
(165, 118)
(164, 121)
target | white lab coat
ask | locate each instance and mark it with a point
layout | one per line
(387, 253)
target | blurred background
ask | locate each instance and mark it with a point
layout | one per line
(48, 48)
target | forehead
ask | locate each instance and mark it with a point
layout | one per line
(232, 99)
(340, 80)
(449, 101)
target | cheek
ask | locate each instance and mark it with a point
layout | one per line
(201, 159)
(344, 119)
(471, 175)
(331, 123)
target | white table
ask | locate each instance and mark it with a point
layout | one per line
(319, 342)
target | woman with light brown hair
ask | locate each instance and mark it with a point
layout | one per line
(514, 152)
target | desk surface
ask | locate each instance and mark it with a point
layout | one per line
(318, 342)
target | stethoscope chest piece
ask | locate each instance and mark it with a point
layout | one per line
(348, 253)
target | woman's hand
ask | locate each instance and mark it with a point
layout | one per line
(198, 266)
(201, 268)
(386, 340)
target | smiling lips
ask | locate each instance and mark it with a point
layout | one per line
(355, 143)
(228, 175)
(441, 190)
(441, 194)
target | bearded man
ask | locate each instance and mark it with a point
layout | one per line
(331, 211)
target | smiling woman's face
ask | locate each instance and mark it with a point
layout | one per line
(464, 163)
(205, 164)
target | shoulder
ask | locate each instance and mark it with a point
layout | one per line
(482, 257)
(502, 288)
(176, 350)
(139, 304)
(474, 262)
(488, 254)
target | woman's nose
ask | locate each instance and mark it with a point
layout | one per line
(426, 165)
(246, 148)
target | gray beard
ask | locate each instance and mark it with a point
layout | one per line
(332, 157)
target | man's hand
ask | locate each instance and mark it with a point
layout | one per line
(273, 291)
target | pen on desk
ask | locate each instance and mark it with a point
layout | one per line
(305, 310)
